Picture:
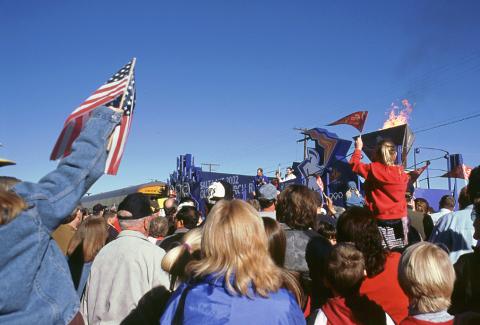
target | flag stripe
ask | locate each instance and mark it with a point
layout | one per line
(60, 145)
(87, 109)
(119, 145)
(101, 92)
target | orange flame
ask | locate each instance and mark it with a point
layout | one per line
(398, 116)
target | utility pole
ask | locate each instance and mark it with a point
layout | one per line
(304, 140)
(210, 165)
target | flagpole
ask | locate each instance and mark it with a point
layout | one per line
(132, 68)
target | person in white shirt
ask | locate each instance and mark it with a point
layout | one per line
(446, 205)
(288, 176)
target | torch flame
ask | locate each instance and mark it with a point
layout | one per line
(398, 116)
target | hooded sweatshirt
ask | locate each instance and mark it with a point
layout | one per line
(385, 187)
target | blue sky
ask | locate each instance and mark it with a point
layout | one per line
(228, 80)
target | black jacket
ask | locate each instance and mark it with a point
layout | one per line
(466, 293)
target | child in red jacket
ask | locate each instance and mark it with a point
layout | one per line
(385, 187)
(344, 274)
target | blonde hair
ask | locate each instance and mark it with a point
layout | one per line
(10, 203)
(235, 246)
(427, 277)
(92, 235)
(386, 153)
(175, 261)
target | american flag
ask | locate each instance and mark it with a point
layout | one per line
(117, 92)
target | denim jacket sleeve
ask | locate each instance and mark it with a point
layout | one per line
(56, 194)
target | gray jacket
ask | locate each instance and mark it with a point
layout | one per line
(122, 272)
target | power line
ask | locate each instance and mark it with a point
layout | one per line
(448, 123)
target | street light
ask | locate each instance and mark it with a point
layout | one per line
(447, 157)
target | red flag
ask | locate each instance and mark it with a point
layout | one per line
(118, 92)
(357, 120)
(319, 181)
(461, 171)
(415, 174)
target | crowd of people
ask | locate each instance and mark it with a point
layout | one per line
(285, 257)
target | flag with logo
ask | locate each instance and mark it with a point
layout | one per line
(118, 92)
(357, 120)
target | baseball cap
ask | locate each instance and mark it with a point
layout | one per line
(137, 205)
(219, 190)
(267, 192)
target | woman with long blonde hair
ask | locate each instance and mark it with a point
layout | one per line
(235, 281)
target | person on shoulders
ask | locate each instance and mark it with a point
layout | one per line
(385, 188)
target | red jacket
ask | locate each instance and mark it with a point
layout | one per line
(385, 187)
(385, 290)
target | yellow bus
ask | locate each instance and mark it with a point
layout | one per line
(157, 191)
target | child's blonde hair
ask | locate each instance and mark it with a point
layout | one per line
(386, 153)
(426, 275)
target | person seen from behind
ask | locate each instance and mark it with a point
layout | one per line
(176, 260)
(235, 281)
(344, 274)
(185, 219)
(111, 295)
(89, 238)
(455, 230)
(466, 292)
(426, 276)
(359, 226)
(158, 229)
(277, 242)
(446, 205)
(267, 196)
